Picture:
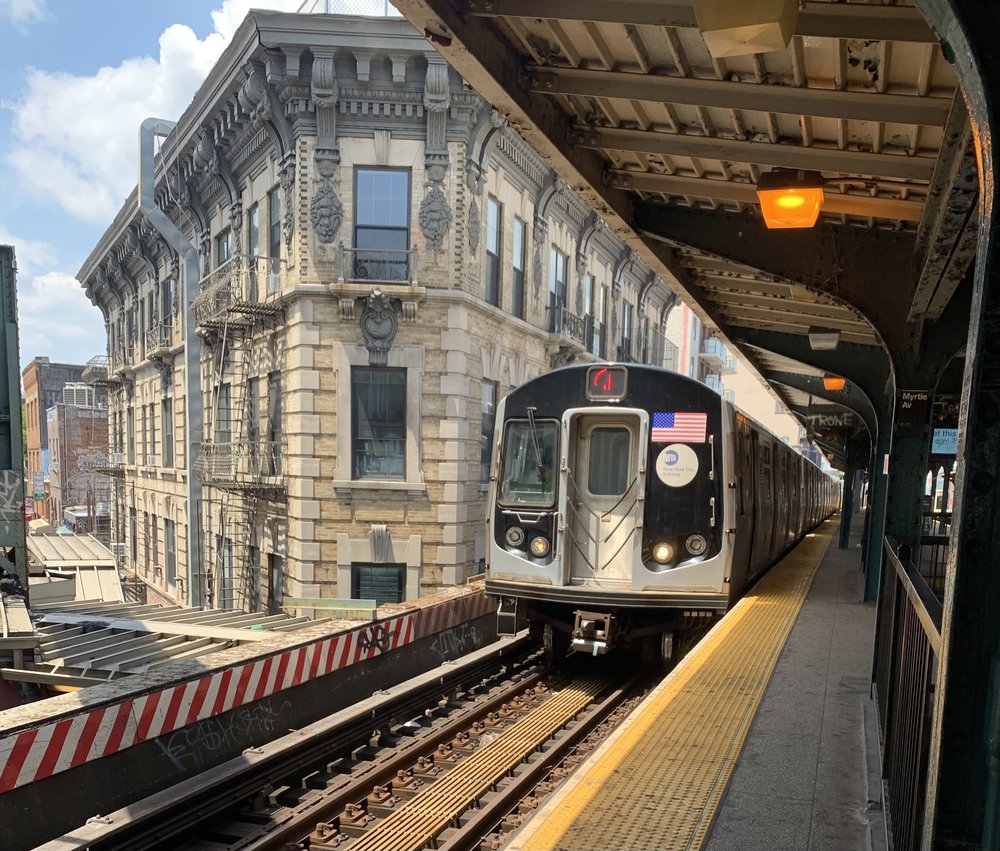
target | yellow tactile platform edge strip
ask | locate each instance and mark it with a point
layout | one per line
(655, 783)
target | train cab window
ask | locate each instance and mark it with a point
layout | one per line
(529, 463)
(608, 467)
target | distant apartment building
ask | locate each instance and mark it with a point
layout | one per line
(381, 259)
(43, 387)
(78, 444)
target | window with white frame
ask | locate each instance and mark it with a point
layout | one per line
(167, 415)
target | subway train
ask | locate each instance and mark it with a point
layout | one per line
(630, 505)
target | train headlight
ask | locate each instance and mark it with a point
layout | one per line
(662, 553)
(696, 544)
(539, 546)
(515, 536)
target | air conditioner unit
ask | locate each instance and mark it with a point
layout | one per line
(273, 282)
(118, 549)
(116, 458)
(151, 460)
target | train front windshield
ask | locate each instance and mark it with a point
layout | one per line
(528, 476)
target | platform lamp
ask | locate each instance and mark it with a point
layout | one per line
(834, 383)
(823, 339)
(790, 198)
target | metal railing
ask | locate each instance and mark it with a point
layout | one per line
(239, 463)
(713, 349)
(907, 644)
(158, 339)
(379, 266)
(121, 359)
(134, 590)
(567, 324)
(245, 286)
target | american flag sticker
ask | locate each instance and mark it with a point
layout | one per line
(679, 427)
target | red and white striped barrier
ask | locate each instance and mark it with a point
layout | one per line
(34, 754)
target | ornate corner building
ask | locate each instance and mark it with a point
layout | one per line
(382, 258)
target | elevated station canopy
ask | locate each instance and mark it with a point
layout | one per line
(668, 117)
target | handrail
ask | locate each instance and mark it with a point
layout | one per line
(925, 604)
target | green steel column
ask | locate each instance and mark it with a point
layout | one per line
(878, 489)
(847, 507)
(12, 525)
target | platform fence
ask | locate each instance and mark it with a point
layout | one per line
(907, 644)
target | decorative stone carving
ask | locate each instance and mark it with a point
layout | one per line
(166, 371)
(435, 218)
(378, 326)
(287, 178)
(579, 294)
(326, 212)
(347, 312)
(563, 356)
(409, 311)
(475, 225)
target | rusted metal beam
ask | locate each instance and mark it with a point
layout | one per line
(828, 160)
(824, 20)
(694, 91)
(868, 269)
(838, 203)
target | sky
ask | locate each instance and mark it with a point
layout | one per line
(77, 77)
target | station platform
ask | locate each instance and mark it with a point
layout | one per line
(762, 738)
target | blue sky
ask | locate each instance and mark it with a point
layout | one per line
(76, 79)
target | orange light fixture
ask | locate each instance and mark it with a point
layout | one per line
(834, 382)
(790, 198)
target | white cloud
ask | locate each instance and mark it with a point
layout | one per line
(54, 315)
(75, 137)
(56, 319)
(23, 12)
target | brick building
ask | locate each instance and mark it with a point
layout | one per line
(43, 387)
(78, 443)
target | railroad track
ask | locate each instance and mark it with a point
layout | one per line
(462, 793)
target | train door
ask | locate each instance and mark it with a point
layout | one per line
(744, 495)
(602, 510)
(763, 545)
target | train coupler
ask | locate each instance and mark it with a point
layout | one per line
(509, 620)
(592, 632)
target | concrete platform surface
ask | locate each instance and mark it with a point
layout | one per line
(807, 777)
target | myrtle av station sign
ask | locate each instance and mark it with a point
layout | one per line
(913, 409)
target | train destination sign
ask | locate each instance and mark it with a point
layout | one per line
(607, 383)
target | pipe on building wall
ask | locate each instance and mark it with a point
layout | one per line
(193, 424)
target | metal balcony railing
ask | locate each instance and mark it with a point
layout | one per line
(122, 360)
(240, 290)
(243, 465)
(96, 370)
(378, 266)
(567, 324)
(907, 644)
(714, 353)
(158, 340)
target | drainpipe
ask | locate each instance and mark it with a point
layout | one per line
(193, 425)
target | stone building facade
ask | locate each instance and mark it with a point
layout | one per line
(78, 443)
(382, 259)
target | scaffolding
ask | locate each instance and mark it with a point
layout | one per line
(241, 456)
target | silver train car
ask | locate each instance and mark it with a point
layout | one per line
(628, 503)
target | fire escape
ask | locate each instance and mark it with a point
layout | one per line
(241, 457)
(102, 372)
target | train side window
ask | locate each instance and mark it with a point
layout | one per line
(608, 466)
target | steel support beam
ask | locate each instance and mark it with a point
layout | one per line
(840, 203)
(694, 91)
(823, 20)
(830, 160)
(840, 261)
